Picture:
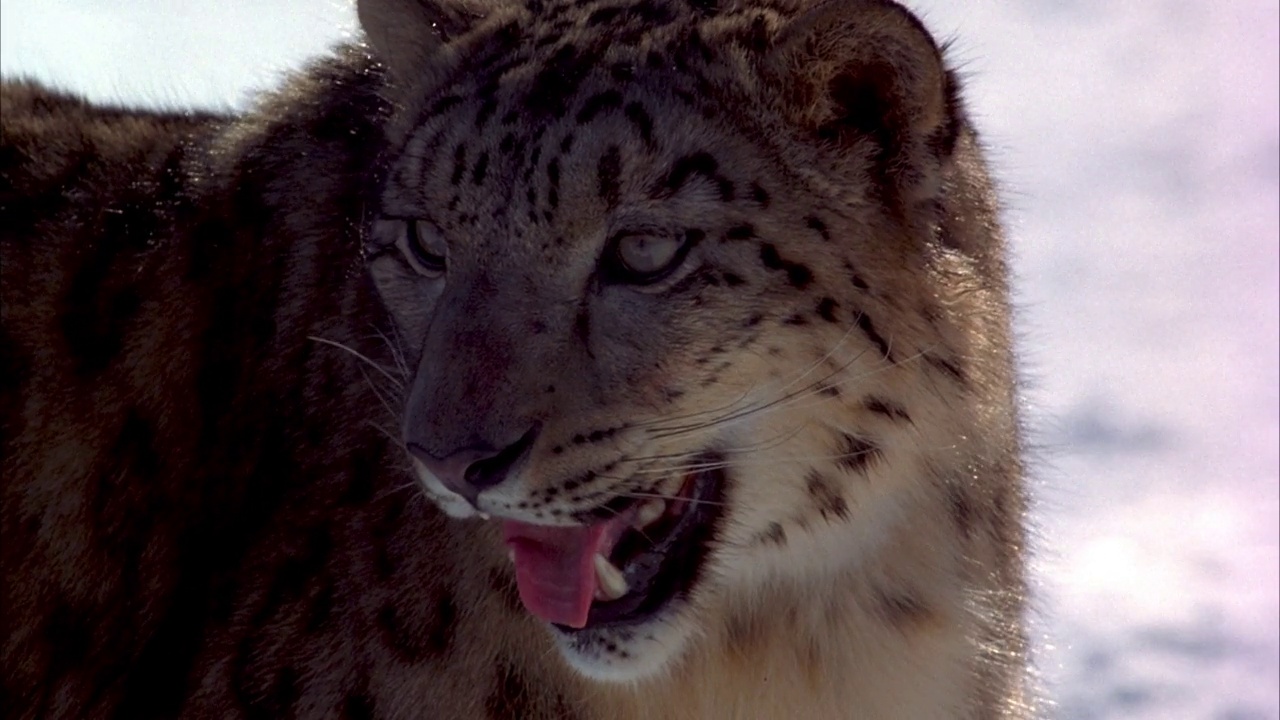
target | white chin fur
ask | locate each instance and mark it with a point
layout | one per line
(627, 654)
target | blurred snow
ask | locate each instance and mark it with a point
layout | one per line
(1138, 144)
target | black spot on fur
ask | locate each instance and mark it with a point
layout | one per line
(359, 705)
(818, 226)
(887, 408)
(700, 163)
(481, 168)
(67, 633)
(732, 280)
(622, 72)
(415, 639)
(643, 123)
(286, 690)
(485, 112)
(459, 164)
(774, 534)
(743, 632)
(744, 231)
(608, 172)
(98, 310)
(293, 574)
(825, 497)
(320, 609)
(510, 696)
(15, 372)
(944, 139)
(598, 103)
(553, 177)
(759, 196)
(869, 329)
(558, 81)
(948, 368)
(961, 507)
(363, 467)
(827, 309)
(443, 105)
(902, 610)
(856, 453)
(504, 586)
(798, 275)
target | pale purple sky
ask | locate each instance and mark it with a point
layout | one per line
(1138, 143)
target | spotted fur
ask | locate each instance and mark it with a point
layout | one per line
(220, 374)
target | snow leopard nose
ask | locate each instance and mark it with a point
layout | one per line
(472, 469)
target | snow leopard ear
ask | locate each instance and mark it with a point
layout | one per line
(409, 35)
(855, 71)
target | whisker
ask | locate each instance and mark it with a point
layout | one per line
(676, 431)
(396, 354)
(361, 356)
(660, 496)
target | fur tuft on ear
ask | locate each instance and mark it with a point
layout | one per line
(406, 34)
(858, 70)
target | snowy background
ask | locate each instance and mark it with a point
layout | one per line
(1138, 142)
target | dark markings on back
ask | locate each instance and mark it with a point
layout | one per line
(798, 275)
(856, 453)
(887, 408)
(825, 498)
(608, 171)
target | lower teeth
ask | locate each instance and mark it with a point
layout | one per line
(610, 584)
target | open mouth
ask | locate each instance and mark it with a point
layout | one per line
(622, 570)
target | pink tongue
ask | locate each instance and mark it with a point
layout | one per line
(555, 566)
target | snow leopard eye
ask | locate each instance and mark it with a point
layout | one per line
(424, 247)
(641, 258)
